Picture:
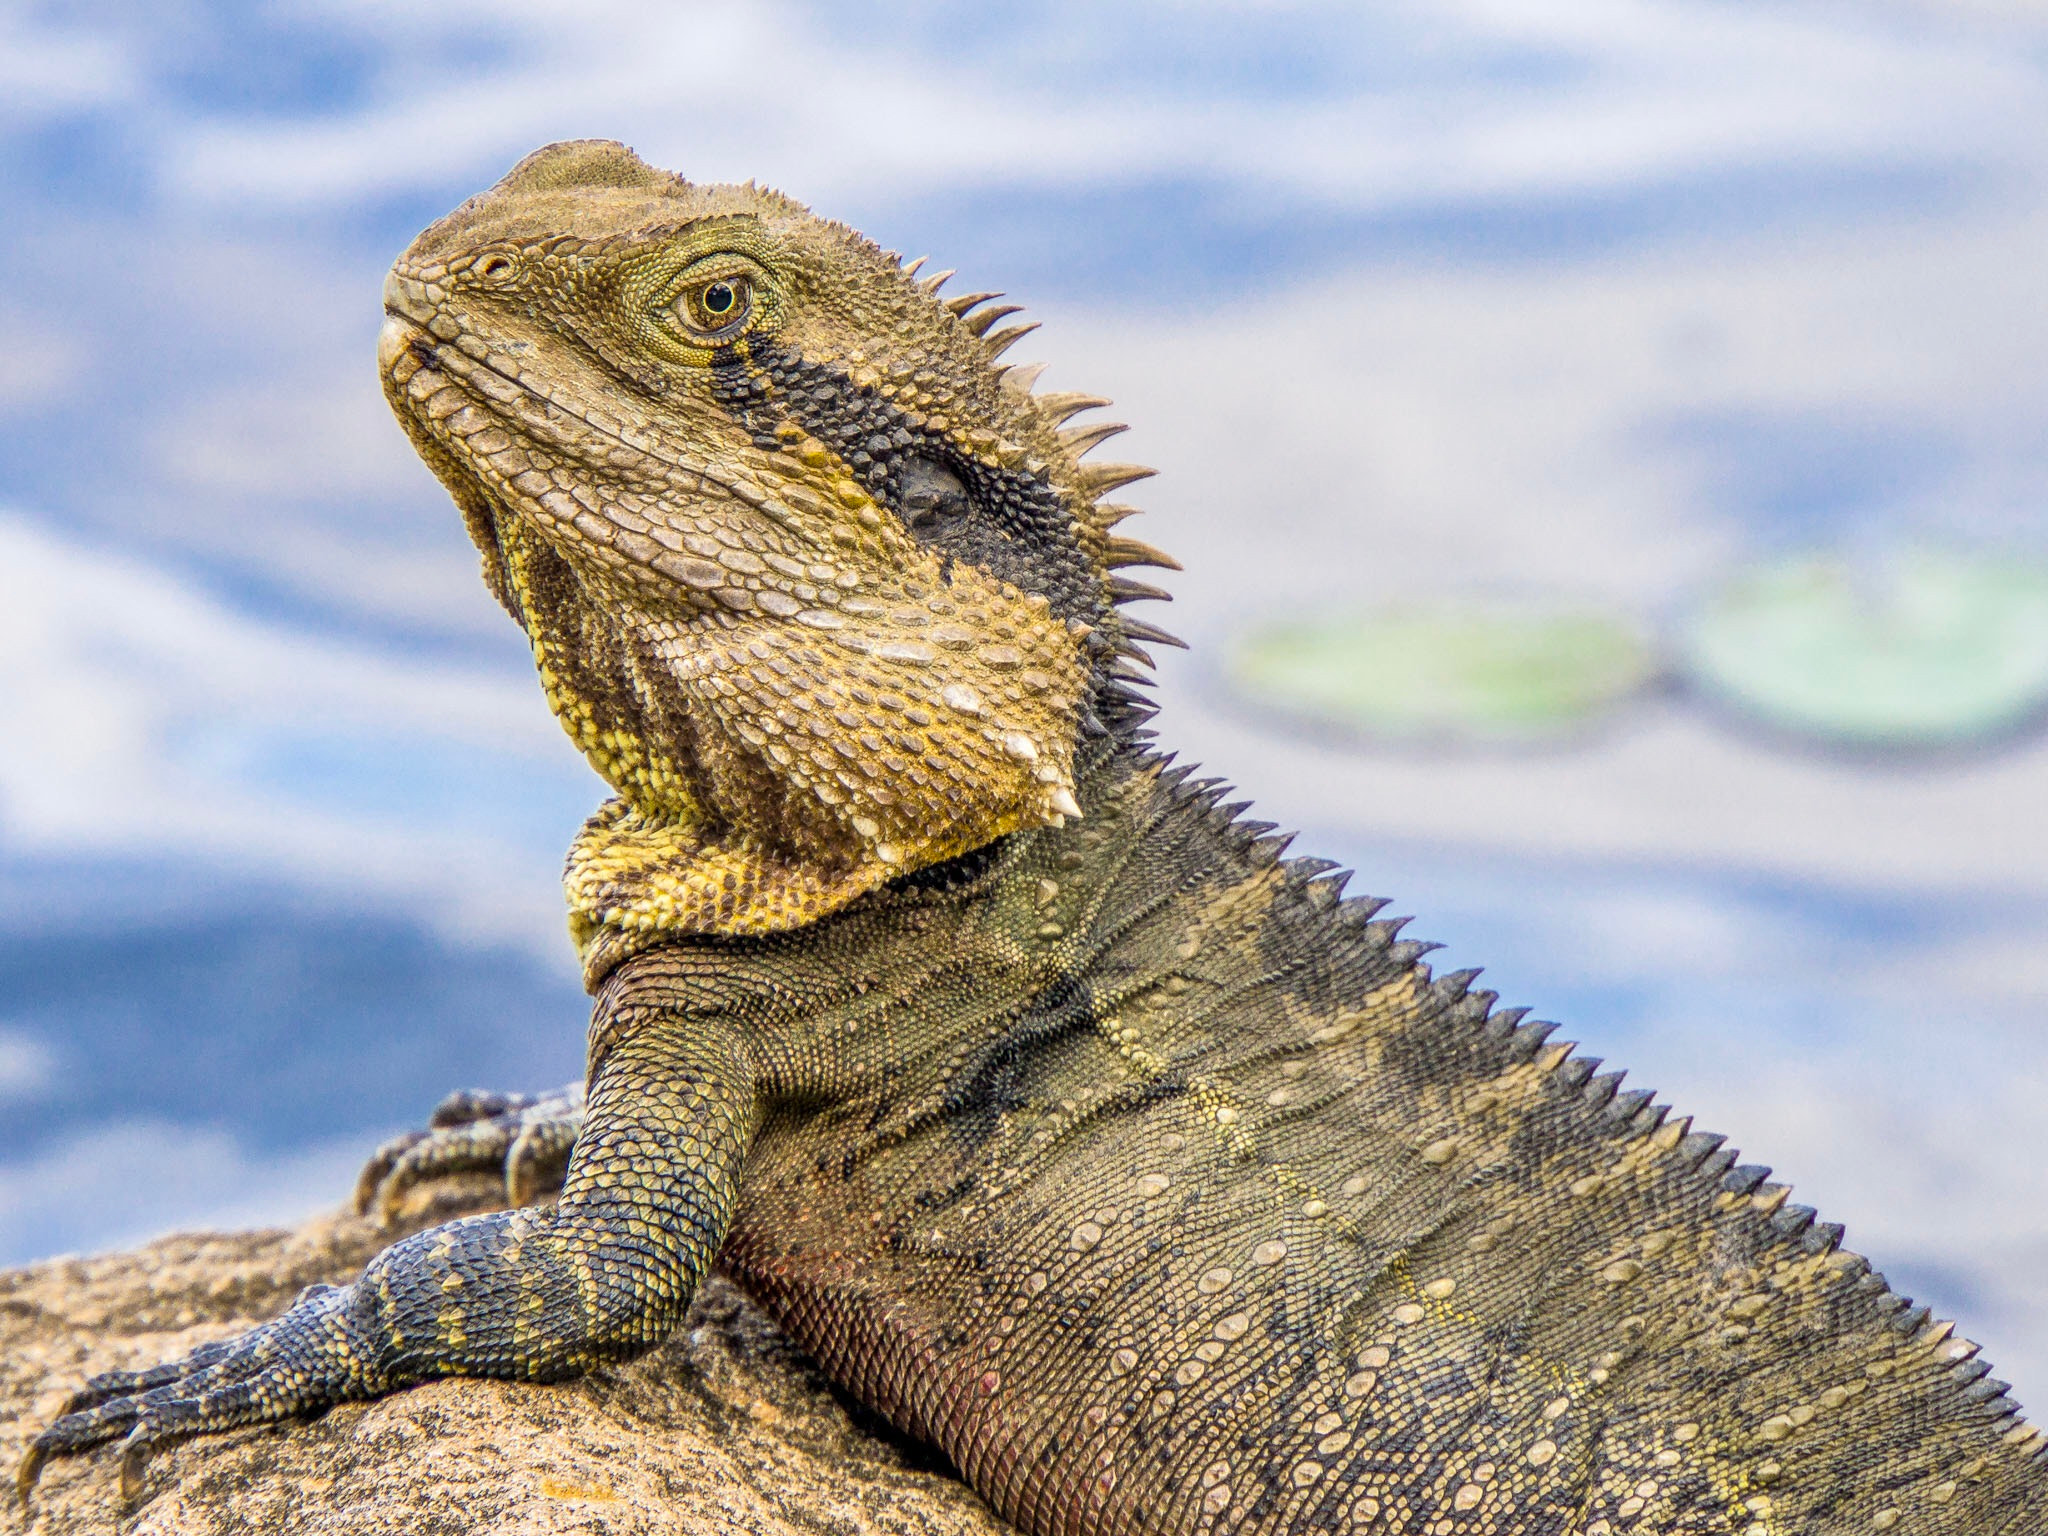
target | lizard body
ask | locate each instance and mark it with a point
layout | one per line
(1069, 1124)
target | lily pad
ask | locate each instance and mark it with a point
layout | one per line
(1926, 648)
(1453, 671)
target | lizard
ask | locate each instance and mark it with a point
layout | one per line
(1071, 1124)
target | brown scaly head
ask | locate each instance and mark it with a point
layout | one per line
(818, 585)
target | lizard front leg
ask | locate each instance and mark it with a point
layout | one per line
(536, 1294)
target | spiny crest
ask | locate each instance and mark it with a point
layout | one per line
(978, 312)
(1742, 1193)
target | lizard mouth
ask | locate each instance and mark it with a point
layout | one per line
(408, 312)
(401, 334)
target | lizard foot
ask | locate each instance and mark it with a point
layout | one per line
(302, 1360)
(526, 1135)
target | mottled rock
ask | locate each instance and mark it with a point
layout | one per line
(727, 1428)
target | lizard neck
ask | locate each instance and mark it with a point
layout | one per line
(638, 879)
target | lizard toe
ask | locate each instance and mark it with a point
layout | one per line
(538, 1160)
(77, 1430)
(466, 1105)
(525, 1137)
(377, 1170)
(109, 1385)
(478, 1147)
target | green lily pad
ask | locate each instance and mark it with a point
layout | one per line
(1924, 649)
(1453, 671)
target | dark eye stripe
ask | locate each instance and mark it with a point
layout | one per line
(1009, 523)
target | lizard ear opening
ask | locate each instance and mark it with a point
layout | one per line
(933, 503)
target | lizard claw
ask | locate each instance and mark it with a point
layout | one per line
(527, 1137)
(134, 1463)
(26, 1474)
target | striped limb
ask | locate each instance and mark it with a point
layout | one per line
(537, 1294)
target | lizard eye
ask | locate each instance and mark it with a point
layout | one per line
(716, 309)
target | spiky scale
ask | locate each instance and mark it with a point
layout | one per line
(1079, 440)
(1629, 1105)
(1744, 1180)
(1824, 1237)
(1119, 551)
(999, 342)
(1059, 405)
(1453, 985)
(1698, 1146)
(980, 321)
(1324, 894)
(960, 303)
(1094, 479)
(1138, 629)
(1021, 378)
(1362, 909)
(1123, 589)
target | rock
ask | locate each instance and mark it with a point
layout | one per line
(727, 1428)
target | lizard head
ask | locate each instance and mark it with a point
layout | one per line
(805, 569)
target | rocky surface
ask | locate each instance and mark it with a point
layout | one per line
(727, 1428)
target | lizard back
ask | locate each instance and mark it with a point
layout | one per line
(1164, 1189)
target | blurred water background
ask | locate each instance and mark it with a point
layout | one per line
(1598, 300)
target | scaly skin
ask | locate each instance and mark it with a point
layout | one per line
(1065, 1122)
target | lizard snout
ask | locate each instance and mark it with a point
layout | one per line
(392, 340)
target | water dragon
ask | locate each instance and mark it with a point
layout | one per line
(1068, 1122)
